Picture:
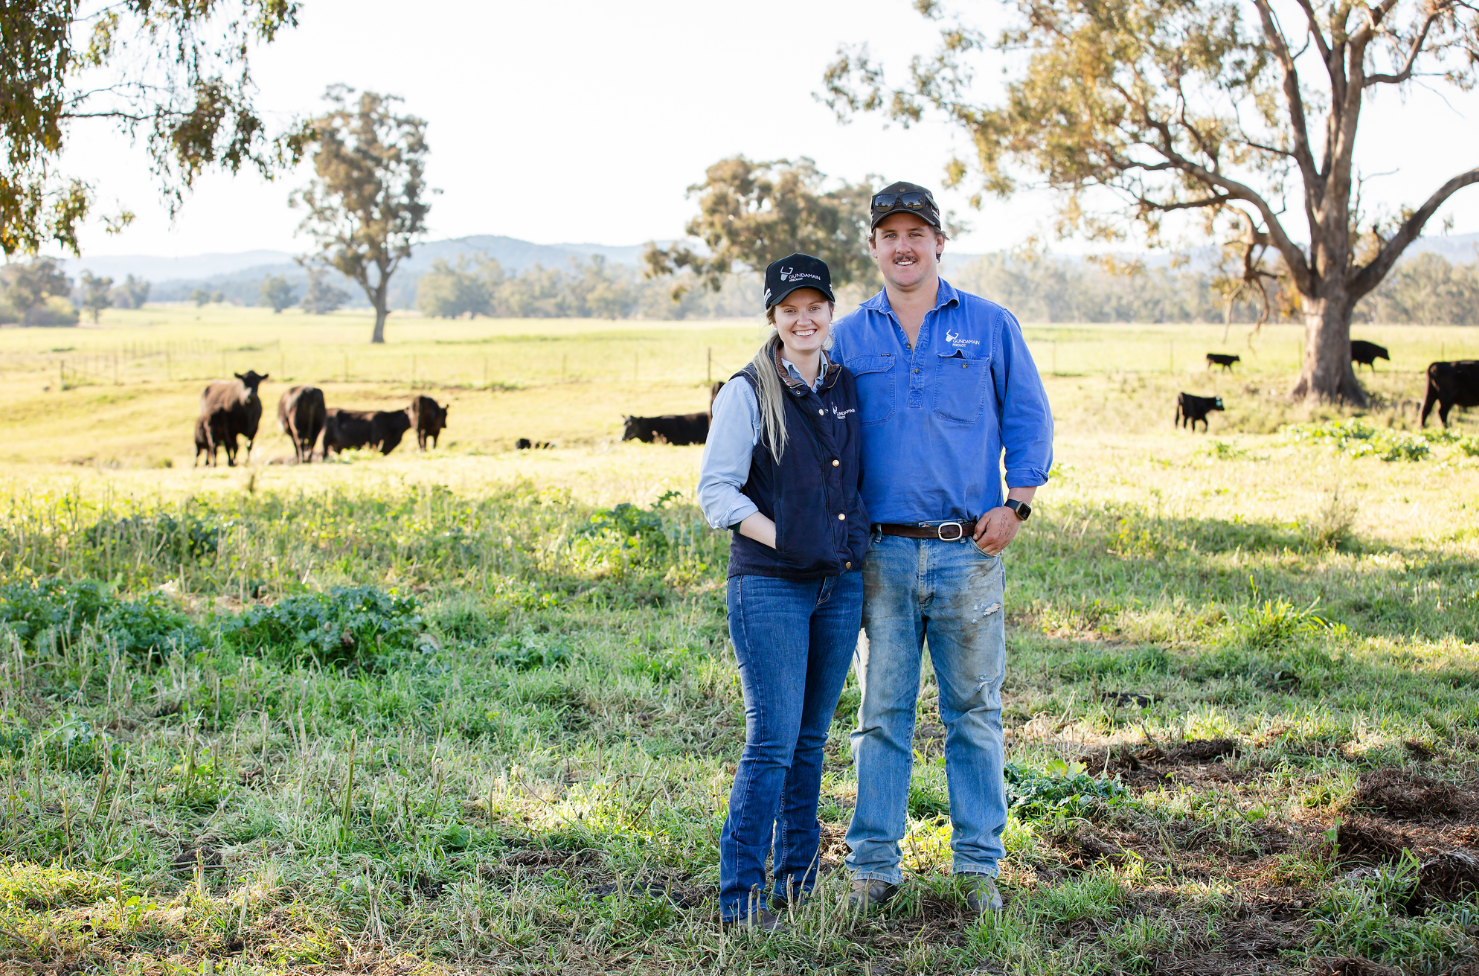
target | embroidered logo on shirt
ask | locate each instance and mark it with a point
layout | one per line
(954, 339)
(839, 414)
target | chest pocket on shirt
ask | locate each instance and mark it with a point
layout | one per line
(960, 388)
(874, 376)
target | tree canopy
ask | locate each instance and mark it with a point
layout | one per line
(1219, 108)
(751, 213)
(177, 73)
(366, 205)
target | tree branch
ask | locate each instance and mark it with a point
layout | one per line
(1417, 48)
(1314, 29)
(1371, 275)
(1313, 182)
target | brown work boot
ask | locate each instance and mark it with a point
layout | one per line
(869, 893)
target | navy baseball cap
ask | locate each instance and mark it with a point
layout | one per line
(796, 271)
(904, 198)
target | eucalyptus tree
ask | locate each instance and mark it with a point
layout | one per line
(366, 206)
(1244, 112)
(751, 213)
(177, 74)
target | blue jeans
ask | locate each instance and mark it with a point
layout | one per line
(950, 593)
(793, 640)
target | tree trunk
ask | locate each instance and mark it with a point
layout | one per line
(1327, 375)
(381, 312)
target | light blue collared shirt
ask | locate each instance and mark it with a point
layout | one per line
(938, 417)
(733, 433)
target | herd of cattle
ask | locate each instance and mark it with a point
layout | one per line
(1450, 385)
(232, 409)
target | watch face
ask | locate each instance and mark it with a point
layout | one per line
(1023, 510)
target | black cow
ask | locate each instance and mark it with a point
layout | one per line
(1367, 353)
(379, 429)
(203, 443)
(1222, 359)
(429, 418)
(673, 428)
(525, 444)
(1190, 409)
(300, 414)
(1451, 385)
(231, 409)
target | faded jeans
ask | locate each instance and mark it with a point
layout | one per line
(951, 594)
(793, 640)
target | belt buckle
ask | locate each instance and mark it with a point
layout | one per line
(959, 531)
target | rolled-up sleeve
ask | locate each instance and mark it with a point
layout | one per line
(733, 433)
(1026, 418)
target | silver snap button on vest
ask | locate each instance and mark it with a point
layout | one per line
(841, 516)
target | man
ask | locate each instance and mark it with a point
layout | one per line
(945, 386)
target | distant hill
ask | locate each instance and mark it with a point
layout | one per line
(238, 276)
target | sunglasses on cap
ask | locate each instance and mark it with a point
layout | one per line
(908, 201)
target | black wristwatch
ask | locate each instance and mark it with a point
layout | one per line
(1022, 509)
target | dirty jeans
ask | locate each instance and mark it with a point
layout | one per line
(793, 640)
(949, 593)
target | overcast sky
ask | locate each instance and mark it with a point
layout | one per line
(584, 121)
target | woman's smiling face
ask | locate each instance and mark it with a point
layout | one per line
(804, 321)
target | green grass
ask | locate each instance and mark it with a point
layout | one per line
(463, 711)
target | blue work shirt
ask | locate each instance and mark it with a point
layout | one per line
(936, 418)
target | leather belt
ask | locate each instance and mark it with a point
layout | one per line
(944, 531)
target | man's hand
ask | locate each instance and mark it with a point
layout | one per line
(997, 528)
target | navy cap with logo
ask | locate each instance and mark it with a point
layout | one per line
(796, 271)
(908, 198)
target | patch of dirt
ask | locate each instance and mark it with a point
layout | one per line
(1197, 761)
(1366, 841)
(1351, 966)
(1450, 876)
(1406, 795)
(1449, 864)
(205, 855)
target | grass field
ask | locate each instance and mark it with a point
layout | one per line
(474, 710)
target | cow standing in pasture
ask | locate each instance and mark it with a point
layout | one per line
(672, 428)
(378, 429)
(301, 413)
(1367, 353)
(230, 409)
(203, 443)
(429, 418)
(1222, 359)
(1451, 385)
(1190, 409)
(525, 444)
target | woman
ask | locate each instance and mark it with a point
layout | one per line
(781, 469)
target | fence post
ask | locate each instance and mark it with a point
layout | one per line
(169, 369)
(1055, 357)
(1171, 367)
(636, 356)
(62, 377)
(711, 366)
(485, 372)
(346, 367)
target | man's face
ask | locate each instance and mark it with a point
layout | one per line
(907, 249)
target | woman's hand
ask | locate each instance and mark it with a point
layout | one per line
(759, 528)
